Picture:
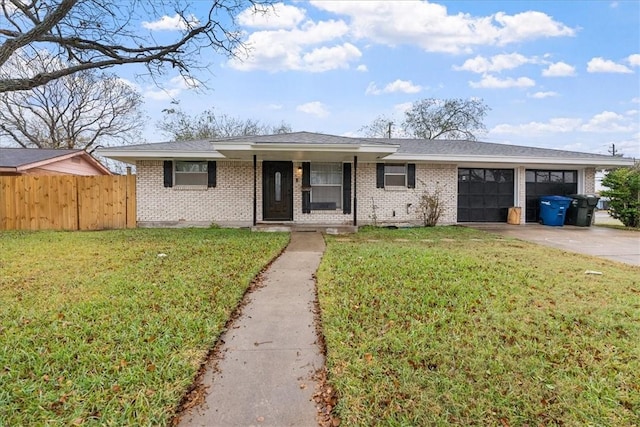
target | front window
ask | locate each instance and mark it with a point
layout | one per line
(395, 175)
(191, 173)
(326, 183)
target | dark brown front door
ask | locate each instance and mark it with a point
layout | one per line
(277, 191)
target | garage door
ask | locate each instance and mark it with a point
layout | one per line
(484, 195)
(547, 183)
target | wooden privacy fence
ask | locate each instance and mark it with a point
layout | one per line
(67, 202)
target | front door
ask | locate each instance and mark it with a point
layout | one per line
(277, 191)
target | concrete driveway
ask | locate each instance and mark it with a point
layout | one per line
(617, 245)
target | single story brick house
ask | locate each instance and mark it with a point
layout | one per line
(310, 178)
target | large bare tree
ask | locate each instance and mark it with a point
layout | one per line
(96, 34)
(453, 118)
(81, 110)
(433, 118)
(180, 126)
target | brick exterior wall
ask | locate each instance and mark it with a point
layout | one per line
(230, 203)
(399, 205)
(590, 180)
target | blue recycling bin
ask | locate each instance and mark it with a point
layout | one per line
(553, 210)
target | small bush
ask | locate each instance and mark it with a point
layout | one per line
(430, 207)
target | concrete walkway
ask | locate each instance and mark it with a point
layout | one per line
(263, 376)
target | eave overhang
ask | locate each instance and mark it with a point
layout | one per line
(471, 160)
(131, 156)
(304, 152)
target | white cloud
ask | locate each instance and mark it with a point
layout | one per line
(129, 83)
(604, 122)
(608, 121)
(542, 95)
(277, 16)
(554, 125)
(497, 63)
(161, 94)
(635, 100)
(172, 89)
(404, 86)
(634, 60)
(529, 26)
(401, 108)
(274, 107)
(171, 23)
(601, 65)
(431, 27)
(315, 108)
(329, 58)
(296, 49)
(287, 39)
(492, 82)
(363, 68)
(559, 69)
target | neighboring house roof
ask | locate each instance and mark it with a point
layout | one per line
(315, 146)
(21, 159)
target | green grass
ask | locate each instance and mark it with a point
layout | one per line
(453, 326)
(97, 329)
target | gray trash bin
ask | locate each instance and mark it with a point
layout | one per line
(580, 212)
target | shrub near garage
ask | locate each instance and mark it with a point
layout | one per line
(624, 194)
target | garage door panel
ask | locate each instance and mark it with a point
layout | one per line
(547, 183)
(484, 195)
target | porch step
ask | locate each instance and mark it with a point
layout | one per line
(323, 228)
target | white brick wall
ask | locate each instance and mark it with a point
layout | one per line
(590, 180)
(230, 203)
(399, 205)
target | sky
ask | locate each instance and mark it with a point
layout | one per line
(556, 74)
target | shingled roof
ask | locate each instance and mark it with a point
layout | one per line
(16, 157)
(389, 149)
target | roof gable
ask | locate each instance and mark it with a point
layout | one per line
(20, 159)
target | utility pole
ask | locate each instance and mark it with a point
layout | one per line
(613, 151)
(390, 124)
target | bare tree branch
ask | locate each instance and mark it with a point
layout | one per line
(76, 111)
(179, 126)
(432, 118)
(97, 34)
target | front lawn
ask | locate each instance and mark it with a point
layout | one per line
(453, 326)
(110, 327)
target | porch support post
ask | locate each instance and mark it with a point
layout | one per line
(255, 191)
(355, 191)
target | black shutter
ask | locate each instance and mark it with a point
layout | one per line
(379, 175)
(411, 175)
(306, 175)
(211, 174)
(346, 188)
(306, 187)
(168, 173)
(306, 201)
